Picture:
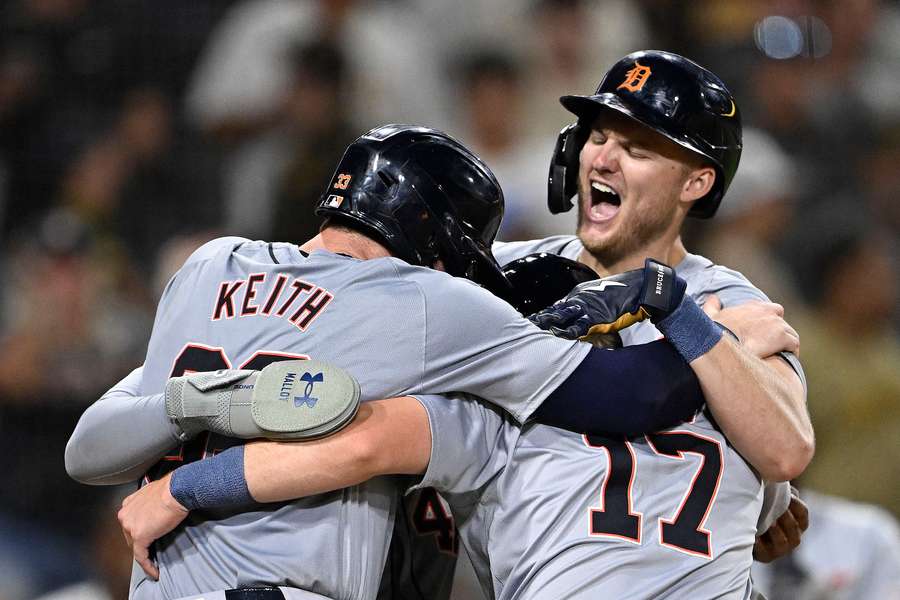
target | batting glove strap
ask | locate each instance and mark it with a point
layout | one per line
(661, 290)
(216, 482)
(690, 330)
(204, 401)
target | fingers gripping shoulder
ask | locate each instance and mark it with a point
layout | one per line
(300, 399)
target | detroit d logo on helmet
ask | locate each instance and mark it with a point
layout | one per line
(635, 78)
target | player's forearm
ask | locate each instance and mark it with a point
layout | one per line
(386, 437)
(760, 406)
(120, 436)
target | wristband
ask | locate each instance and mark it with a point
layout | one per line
(690, 330)
(216, 482)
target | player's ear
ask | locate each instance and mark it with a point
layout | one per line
(697, 183)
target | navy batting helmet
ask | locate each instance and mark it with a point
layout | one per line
(424, 196)
(671, 95)
(538, 280)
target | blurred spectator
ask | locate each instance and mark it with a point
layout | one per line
(239, 88)
(109, 562)
(815, 103)
(49, 559)
(278, 173)
(850, 353)
(851, 551)
(493, 98)
(865, 54)
(63, 65)
(130, 184)
(74, 308)
(672, 23)
(573, 42)
(752, 219)
(165, 38)
(393, 61)
(316, 132)
(878, 173)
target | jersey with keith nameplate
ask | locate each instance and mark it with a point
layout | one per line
(398, 329)
(546, 513)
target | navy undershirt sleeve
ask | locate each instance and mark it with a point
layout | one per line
(633, 390)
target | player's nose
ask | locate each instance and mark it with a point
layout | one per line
(606, 156)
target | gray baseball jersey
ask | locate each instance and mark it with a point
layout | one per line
(551, 514)
(399, 329)
(546, 513)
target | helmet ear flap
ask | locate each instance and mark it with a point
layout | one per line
(562, 182)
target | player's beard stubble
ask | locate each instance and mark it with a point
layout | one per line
(630, 236)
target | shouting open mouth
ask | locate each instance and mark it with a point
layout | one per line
(605, 202)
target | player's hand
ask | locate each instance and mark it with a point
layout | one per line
(760, 326)
(785, 533)
(147, 515)
(614, 303)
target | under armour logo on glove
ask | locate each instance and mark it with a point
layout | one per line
(306, 398)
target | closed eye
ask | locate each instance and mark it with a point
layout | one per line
(637, 152)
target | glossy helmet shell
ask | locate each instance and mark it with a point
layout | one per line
(425, 196)
(538, 280)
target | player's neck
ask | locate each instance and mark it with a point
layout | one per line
(670, 252)
(345, 241)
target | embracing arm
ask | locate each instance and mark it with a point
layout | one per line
(769, 424)
(120, 436)
(631, 391)
(760, 403)
(387, 437)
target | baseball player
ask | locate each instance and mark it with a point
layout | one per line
(667, 95)
(660, 140)
(621, 222)
(629, 141)
(399, 191)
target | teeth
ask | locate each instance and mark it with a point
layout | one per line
(602, 187)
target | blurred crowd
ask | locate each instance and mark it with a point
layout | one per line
(131, 131)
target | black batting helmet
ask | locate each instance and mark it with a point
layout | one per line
(672, 96)
(424, 196)
(538, 280)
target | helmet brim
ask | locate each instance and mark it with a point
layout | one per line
(588, 107)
